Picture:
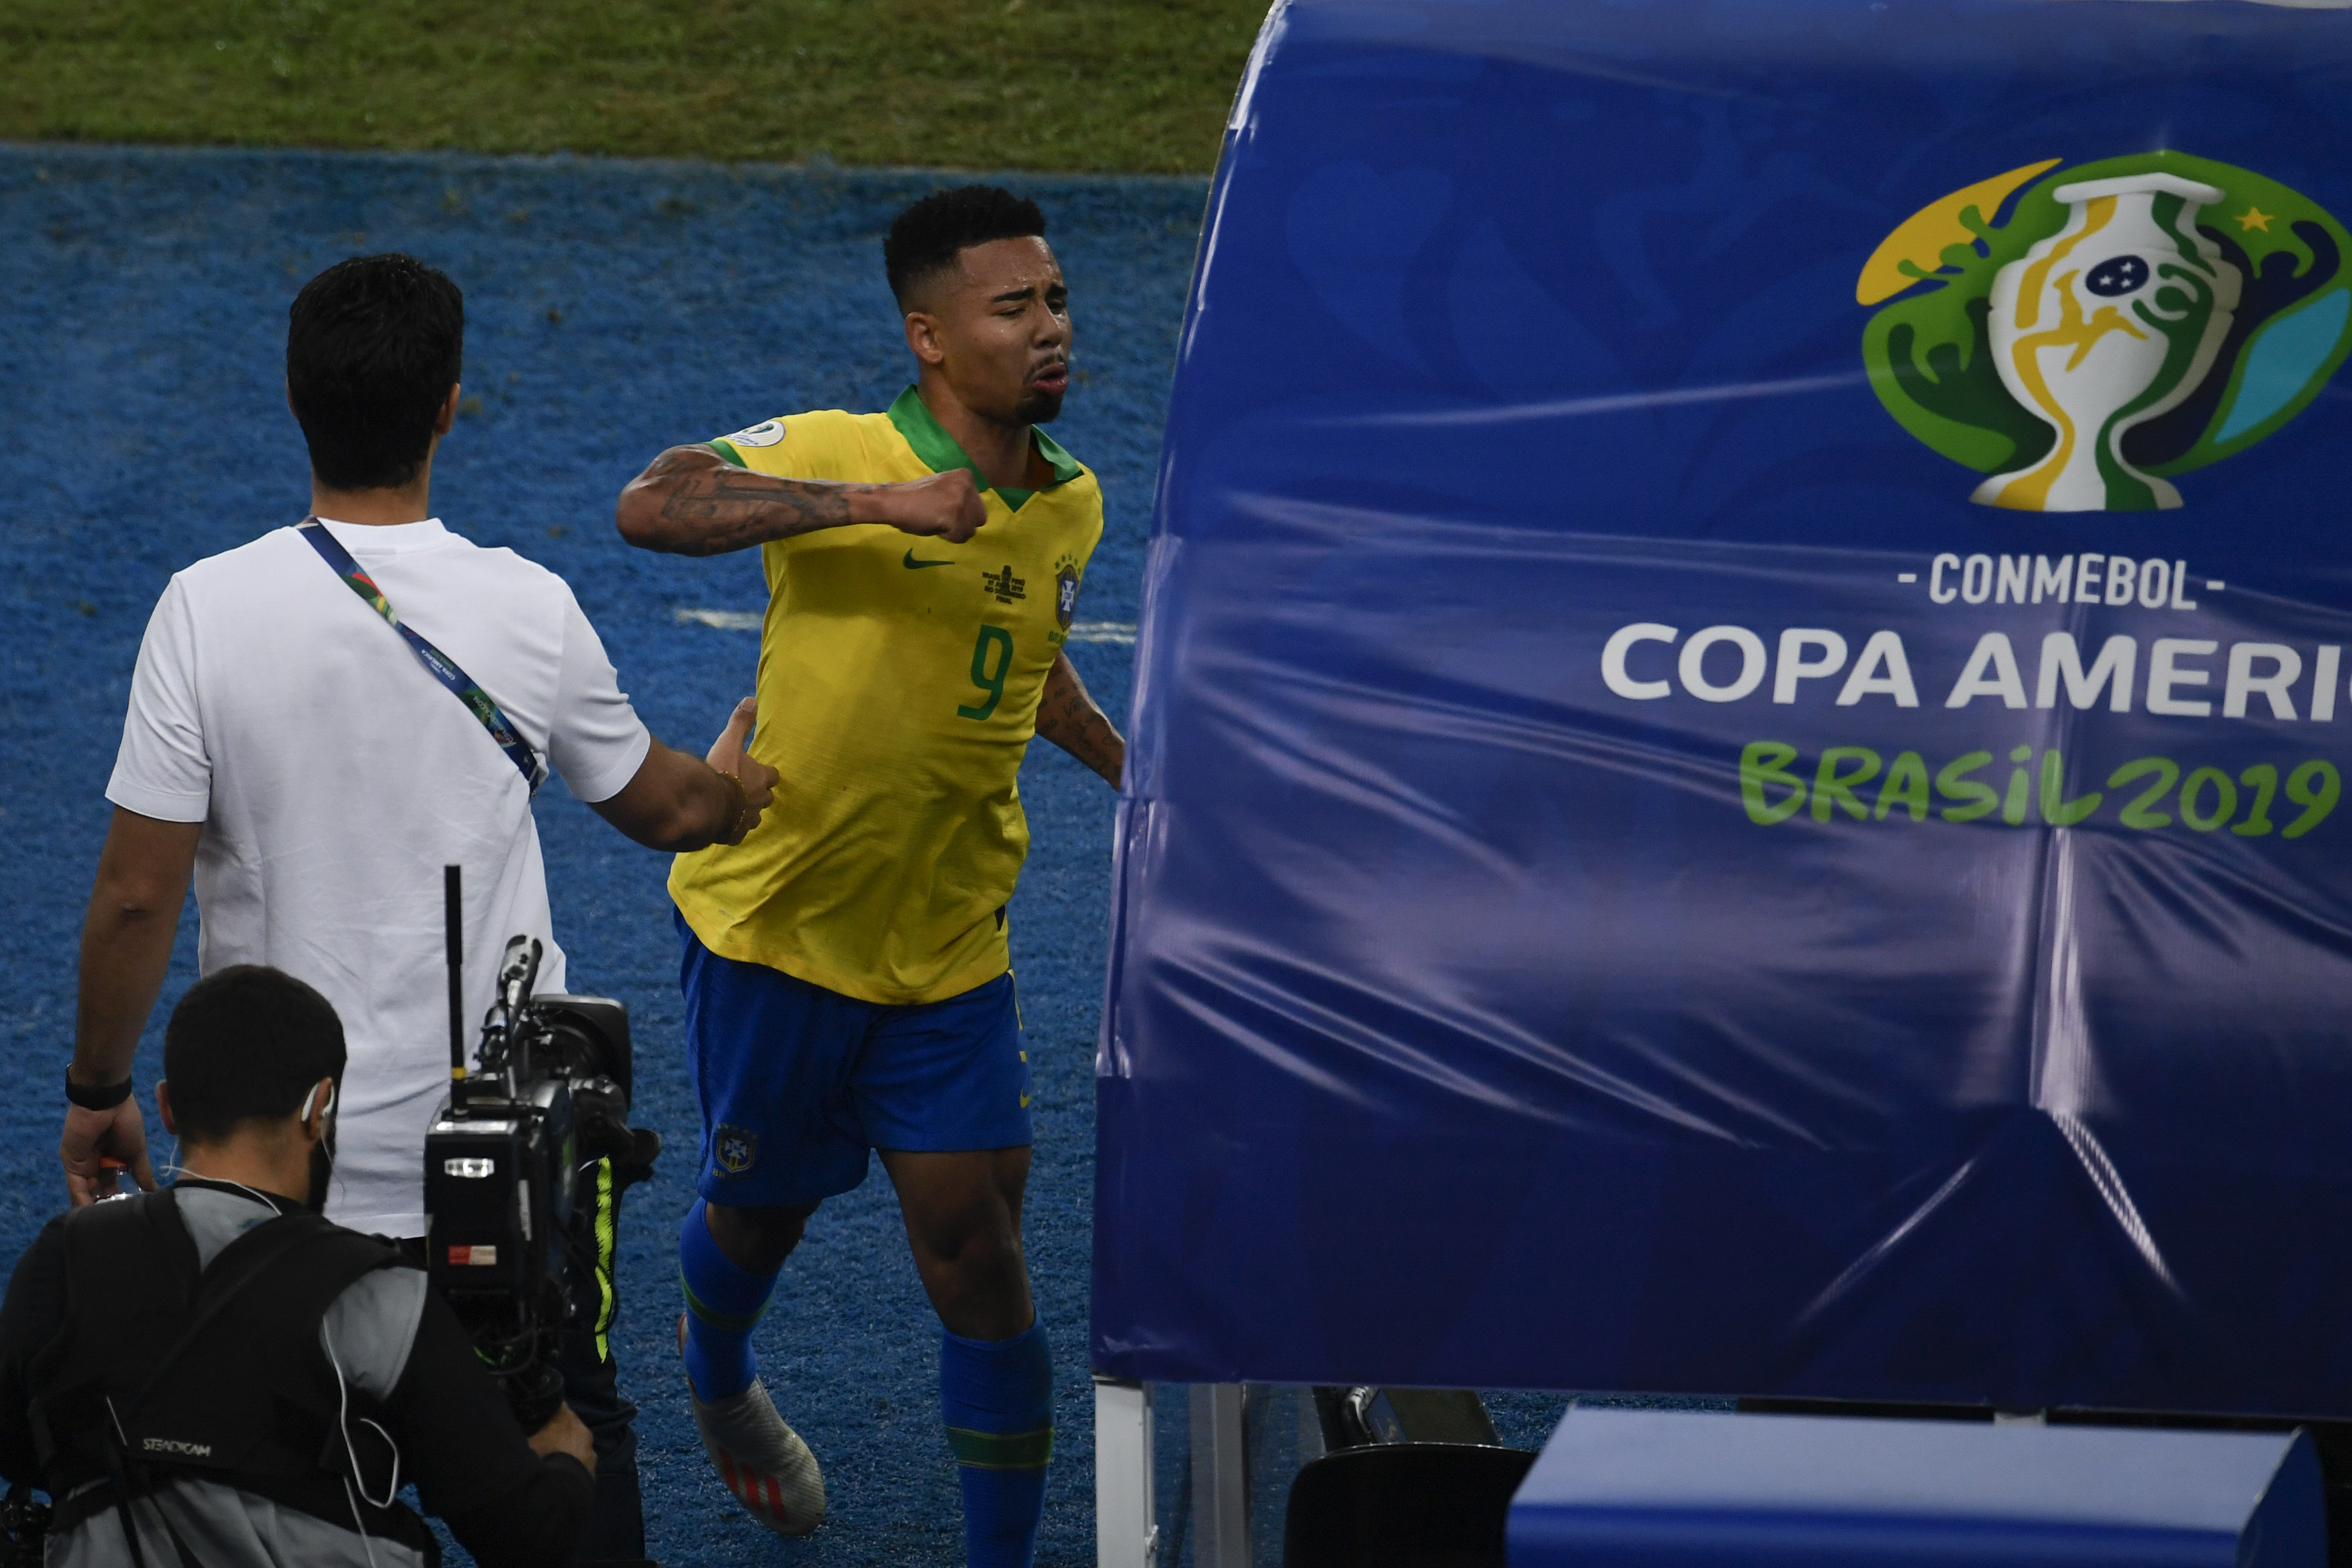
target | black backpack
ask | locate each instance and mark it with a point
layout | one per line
(163, 1369)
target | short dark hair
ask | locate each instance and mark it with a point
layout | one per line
(246, 1044)
(372, 346)
(925, 238)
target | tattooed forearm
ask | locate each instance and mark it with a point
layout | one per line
(1068, 718)
(715, 511)
(689, 501)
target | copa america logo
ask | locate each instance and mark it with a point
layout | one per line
(2084, 336)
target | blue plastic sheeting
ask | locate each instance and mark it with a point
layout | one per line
(1642, 1488)
(1635, 873)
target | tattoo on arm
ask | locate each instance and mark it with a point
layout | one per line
(1068, 718)
(709, 509)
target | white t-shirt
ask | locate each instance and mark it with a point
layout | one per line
(335, 777)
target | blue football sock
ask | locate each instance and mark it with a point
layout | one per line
(723, 1301)
(997, 1397)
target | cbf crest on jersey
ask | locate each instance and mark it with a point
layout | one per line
(2082, 335)
(1066, 591)
(733, 1149)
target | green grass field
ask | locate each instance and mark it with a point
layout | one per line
(1125, 86)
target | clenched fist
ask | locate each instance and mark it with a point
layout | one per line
(939, 506)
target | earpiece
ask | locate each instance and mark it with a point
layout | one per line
(327, 1110)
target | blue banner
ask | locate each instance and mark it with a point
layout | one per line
(1738, 741)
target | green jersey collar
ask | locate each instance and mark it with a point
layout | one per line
(940, 452)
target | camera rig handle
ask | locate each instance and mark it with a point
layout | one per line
(512, 1026)
(508, 1030)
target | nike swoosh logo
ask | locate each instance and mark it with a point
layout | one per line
(914, 565)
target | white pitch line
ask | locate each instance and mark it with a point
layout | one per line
(1118, 632)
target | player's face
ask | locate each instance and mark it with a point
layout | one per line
(1003, 322)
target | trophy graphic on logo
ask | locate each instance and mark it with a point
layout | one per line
(2085, 336)
(2107, 324)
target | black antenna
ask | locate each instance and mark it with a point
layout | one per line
(453, 924)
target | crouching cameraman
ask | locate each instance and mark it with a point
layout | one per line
(215, 1375)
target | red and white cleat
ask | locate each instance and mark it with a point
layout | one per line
(762, 1460)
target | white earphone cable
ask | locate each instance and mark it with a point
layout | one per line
(342, 1425)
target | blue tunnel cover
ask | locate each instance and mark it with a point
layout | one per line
(1740, 721)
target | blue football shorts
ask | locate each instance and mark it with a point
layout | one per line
(796, 1084)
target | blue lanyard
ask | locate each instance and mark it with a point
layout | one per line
(445, 668)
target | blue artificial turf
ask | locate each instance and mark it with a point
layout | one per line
(613, 309)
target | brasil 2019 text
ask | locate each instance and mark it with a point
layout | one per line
(2146, 794)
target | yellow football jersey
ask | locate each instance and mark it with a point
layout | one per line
(899, 685)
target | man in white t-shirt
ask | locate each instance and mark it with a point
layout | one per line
(289, 745)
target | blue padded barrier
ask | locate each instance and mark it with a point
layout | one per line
(1633, 874)
(1649, 1488)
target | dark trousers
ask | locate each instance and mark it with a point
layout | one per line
(592, 1385)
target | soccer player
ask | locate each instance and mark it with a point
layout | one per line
(847, 981)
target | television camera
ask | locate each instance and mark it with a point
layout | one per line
(510, 1156)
